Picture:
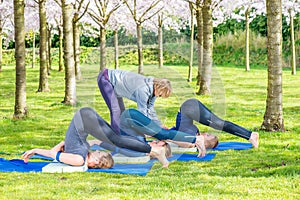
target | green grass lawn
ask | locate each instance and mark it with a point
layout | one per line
(269, 172)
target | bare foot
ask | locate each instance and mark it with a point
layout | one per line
(254, 139)
(200, 145)
(160, 154)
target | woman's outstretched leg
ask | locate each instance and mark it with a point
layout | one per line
(134, 123)
(193, 110)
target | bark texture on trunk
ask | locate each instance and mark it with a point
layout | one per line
(102, 48)
(160, 42)
(60, 50)
(1, 46)
(273, 118)
(116, 44)
(70, 79)
(43, 82)
(206, 69)
(20, 110)
(199, 41)
(76, 41)
(140, 48)
(247, 44)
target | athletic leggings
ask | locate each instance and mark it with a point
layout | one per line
(193, 110)
(136, 124)
(87, 121)
(115, 104)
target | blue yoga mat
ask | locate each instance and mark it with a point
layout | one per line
(133, 169)
(222, 146)
(188, 157)
(178, 157)
(193, 157)
(17, 165)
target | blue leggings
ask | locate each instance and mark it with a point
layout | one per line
(136, 124)
(193, 110)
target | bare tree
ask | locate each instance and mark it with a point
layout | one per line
(192, 10)
(247, 56)
(293, 49)
(199, 38)
(207, 48)
(273, 118)
(70, 80)
(76, 34)
(116, 44)
(0, 45)
(139, 20)
(101, 15)
(60, 38)
(20, 93)
(43, 82)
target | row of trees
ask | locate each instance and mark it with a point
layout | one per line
(150, 14)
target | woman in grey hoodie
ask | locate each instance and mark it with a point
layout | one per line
(116, 84)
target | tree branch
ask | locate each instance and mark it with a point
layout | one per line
(150, 7)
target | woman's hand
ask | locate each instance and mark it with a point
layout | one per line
(43, 152)
(28, 154)
(200, 145)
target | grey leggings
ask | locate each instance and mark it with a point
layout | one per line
(87, 121)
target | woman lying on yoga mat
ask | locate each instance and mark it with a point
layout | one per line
(193, 110)
(74, 150)
(135, 123)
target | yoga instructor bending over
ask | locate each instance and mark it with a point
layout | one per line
(116, 84)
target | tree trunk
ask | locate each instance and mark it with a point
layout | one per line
(43, 83)
(49, 48)
(102, 48)
(76, 38)
(273, 118)
(199, 41)
(20, 93)
(33, 50)
(247, 46)
(70, 79)
(189, 79)
(60, 49)
(140, 48)
(293, 49)
(1, 46)
(116, 44)
(160, 42)
(207, 48)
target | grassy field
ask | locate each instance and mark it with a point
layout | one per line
(270, 172)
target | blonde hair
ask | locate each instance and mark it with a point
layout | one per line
(211, 142)
(168, 150)
(162, 86)
(106, 161)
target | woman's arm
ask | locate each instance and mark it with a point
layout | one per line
(67, 158)
(183, 144)
(59, 147)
